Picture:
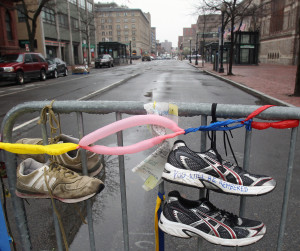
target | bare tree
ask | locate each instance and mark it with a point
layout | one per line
(234, 13)
(87, 28)
(30, 9)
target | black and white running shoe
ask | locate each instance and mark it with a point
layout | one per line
(208, 170)
(187, 218)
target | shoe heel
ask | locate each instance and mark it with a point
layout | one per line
(173, 228)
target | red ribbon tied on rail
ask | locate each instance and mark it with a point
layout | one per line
(283, 124)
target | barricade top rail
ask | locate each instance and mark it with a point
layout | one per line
(134, 107)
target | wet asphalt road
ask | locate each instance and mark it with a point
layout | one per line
(160, 81)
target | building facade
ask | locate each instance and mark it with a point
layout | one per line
(189, 39)
(167, 46)
(279, 32)
(65, 29)
(8, 33)
(121, 24)
(153, 41)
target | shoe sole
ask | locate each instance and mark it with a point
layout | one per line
(186, 231)
(47, 196)
(202, 180)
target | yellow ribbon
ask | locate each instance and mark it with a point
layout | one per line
(54, 149)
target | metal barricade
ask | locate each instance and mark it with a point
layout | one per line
(136, 108)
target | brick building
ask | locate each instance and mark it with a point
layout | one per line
(121, 24)
(8, 33)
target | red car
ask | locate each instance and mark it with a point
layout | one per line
(20, 66)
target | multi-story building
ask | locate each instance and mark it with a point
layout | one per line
(65, 29)
(279, 31)
(189, 38)
(8, 33)
(121, 24)
(153, 41)
(167, 46)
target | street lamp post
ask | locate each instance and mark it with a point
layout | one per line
(190, 50)
(130, 52)
(196, 63)
(221, 69)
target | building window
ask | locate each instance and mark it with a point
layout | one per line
(89, 7)
(133, 38)
(110, 39)
(102, 21)
(63, 20)
(74, 23)
(8, 26)
(125, 20)
(125, 14)
(110, 27)
(133, 26)
(125, 26)
(119, 39)
(110, 33)
(21, 16)
(109, 20)
(132, 14)
(133, 32)
(102, 27)
(133, 20)
(126, 33)
(118, 20)
(126, 38)
(103, 33)
(119, 33)
(133, 45)
(103, 39)
(48, 16)
(118, 14)
(81, 4)
(118, 27)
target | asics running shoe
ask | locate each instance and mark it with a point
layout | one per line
(187, 218)
(208, 170)
(37, 180)
(70, 160)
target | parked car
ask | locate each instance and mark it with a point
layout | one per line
(56, 66)
(146, 58)
(104, 60)
(20, 66)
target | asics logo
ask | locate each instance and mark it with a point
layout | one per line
(204, 218)
(212, 164)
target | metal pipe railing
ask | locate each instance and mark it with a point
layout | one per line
(135, 108)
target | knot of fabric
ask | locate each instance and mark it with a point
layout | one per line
(53, 121)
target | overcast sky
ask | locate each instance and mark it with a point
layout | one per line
(168, 16)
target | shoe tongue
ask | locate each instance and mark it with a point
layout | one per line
(206, 206)
(178, 144)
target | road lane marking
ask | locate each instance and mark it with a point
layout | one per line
(86, 97)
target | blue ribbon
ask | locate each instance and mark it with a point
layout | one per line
(222, 126)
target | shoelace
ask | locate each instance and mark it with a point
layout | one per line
(55, 168)
(54, 207)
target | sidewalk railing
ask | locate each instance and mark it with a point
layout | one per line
(136, 108)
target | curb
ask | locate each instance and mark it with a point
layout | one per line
(268, 99)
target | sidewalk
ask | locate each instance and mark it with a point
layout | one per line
(274, 83)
